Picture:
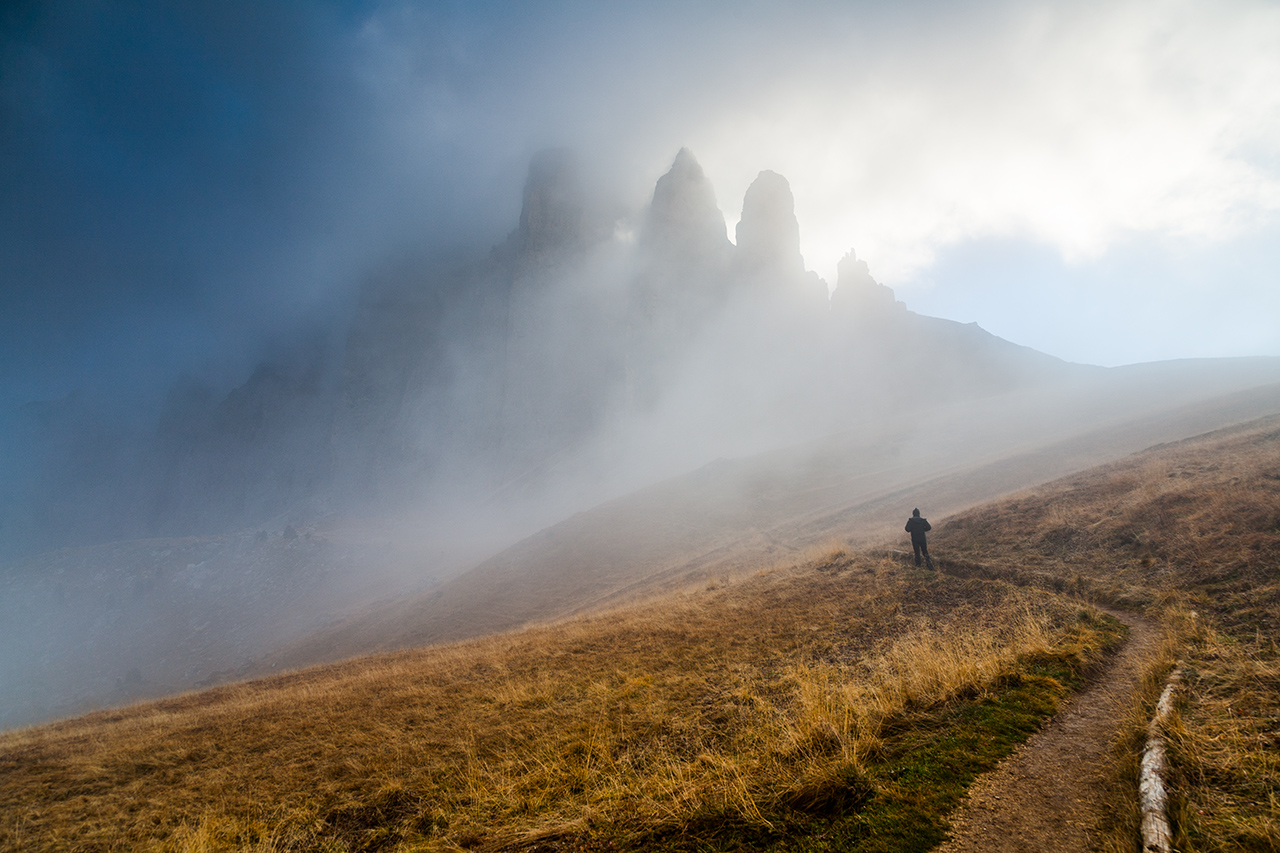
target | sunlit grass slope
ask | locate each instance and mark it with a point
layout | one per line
(1190, 531)
(841, 703)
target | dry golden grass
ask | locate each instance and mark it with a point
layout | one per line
(1224, 744)
(1191, 532)
(1197, 520)
(736, 700)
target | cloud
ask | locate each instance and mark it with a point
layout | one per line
(1074, 126)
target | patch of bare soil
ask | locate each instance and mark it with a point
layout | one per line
(1050, 794)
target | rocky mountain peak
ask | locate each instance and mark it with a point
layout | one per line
(684, 221)
(768, 235)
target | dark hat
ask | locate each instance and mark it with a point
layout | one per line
(915, 512)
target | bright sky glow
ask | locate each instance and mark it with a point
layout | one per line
(1075, 128)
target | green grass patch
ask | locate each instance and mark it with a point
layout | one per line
(900, 802)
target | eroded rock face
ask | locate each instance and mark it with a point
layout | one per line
(768, 235)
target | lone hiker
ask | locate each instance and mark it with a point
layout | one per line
(917, 527)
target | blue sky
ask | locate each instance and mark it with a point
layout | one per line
(182, 184)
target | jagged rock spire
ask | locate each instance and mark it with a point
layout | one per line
(768, 233)
(684, 220)
(857, 294)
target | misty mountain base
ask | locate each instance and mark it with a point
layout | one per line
(803, 708)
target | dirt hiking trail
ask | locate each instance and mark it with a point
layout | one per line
(1050, 794)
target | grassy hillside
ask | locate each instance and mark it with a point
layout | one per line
(1191, 532)
(842, 703)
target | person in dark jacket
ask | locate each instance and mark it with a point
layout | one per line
(917, 527)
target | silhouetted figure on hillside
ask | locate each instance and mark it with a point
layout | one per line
(918, 527)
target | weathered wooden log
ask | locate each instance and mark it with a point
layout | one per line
(1152, 800)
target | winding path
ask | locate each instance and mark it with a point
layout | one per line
(1050, 794)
